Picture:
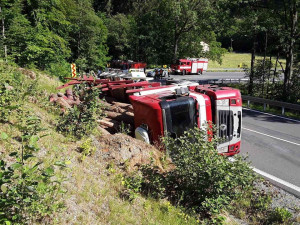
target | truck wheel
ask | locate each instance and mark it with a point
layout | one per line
(199, 72)
(183, 72)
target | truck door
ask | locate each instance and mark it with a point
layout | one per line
(194, 67)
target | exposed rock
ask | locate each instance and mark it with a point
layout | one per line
(124, 149)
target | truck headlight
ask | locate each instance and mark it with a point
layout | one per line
(222, 102)
(223, 149)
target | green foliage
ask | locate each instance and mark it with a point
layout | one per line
(28, 189)
(133, 185)
(86, 149)
(202, 180)
(280, 216)
(124, 128)
(81, 120)
(44, 33)
(6, 101)
(206, 180)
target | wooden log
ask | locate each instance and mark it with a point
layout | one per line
(69, 94)
(117, 109)
(103, 131)
(53, 98)
(59, 94)
(63, 103)
(105, 123)
(122, 117)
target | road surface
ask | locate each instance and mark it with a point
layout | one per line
(273, 145)
(211, 75)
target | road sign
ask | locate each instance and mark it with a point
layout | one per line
(73, 69)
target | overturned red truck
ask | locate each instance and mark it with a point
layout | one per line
(173, 109)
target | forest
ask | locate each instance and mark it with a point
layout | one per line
(51, 34)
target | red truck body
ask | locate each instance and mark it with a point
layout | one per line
(165, 112)
(127, 64)
(190, 66)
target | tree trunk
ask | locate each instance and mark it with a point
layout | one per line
(277, 58)
(290, 54)
(251, 77)
(3, 35)
(175, 47)
(264, 65)
(269, 76)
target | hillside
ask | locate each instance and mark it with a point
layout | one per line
(93, 180)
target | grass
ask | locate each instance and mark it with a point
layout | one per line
(235, 61)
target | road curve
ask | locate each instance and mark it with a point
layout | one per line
(273, 145)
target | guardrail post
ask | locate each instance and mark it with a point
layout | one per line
(265, 106)
(282, 111)
(248, 103)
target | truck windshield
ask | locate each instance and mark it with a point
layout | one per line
(179, 115)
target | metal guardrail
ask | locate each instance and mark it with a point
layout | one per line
(265, 102)
(227, 81)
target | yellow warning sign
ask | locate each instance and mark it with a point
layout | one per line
(73, 69)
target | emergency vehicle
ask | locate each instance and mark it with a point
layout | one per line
(171, 110)
(190, 66)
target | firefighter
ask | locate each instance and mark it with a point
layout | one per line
(156, 74)
(161, 71)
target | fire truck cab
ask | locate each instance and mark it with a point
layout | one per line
(190, 66)
(173, 111)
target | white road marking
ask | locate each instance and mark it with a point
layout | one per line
(291, 188)
(281, 117)
(271, 136)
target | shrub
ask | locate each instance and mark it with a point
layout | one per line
(81, 120)
(6, 101)
(86, 149)
(203, 179)
(279, 216)
(27, 189)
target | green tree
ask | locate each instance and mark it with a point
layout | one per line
(119, 39)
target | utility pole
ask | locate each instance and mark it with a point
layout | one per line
(3, 35)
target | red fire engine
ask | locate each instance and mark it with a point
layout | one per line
(174, 109)
(126, 65)
(190, 66)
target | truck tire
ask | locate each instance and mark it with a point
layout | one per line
(183, 72)
(199, 72)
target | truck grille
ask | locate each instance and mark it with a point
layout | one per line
(225, 125)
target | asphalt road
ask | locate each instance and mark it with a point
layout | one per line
(273, 145)
(211, 75)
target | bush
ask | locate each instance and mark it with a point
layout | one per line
(81, 120)
(280, 216)
(203, 179)
(27, 188)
